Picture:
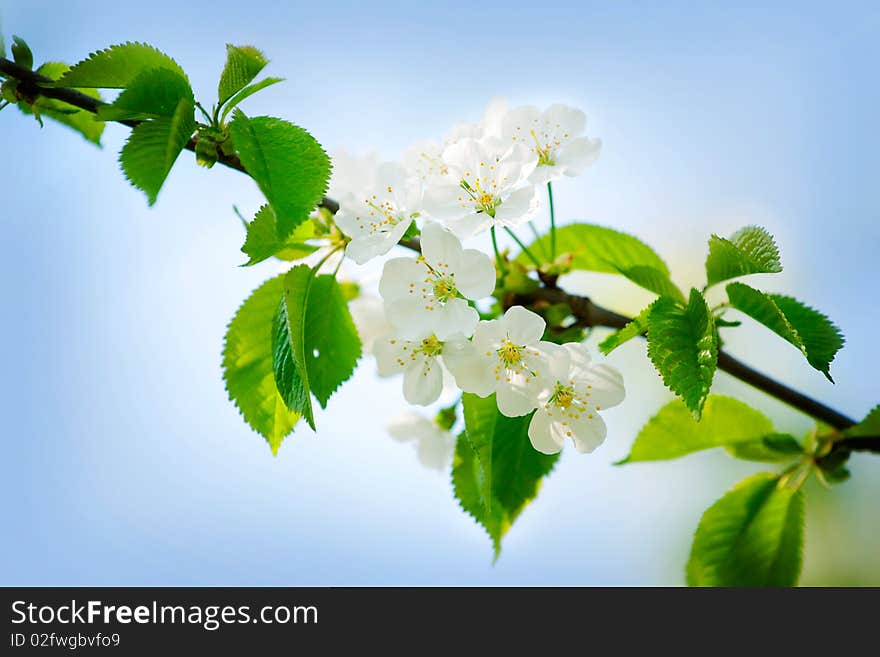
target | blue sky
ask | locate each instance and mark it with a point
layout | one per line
(126, 464)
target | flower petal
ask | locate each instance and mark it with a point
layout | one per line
(515, 399)
(456, 316)
(607, 386)
(435, 451)
(587, 432)
(423, 381)
(523, 326)
(576, 155)
(475, 276)
(398, 274)
(472, 369)
(542, 436)
(392, 354)
(411, 318)
(441, 249)
(518, 207)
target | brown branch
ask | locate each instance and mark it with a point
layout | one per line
(587, 313)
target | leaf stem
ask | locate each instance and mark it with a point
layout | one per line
(498, 258)
(522, 246)
(552, 222)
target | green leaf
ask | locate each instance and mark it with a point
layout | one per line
(497, 485)
(807, 329)
(153, 93)
(633, 329)
(596, 248)
(287, 163)
(83, 122)
(247, 92)
(153, 147)
(753, 536)
(750, 250)
(21, 53)
(315, 341)
(262, 239)
(333, 346)
(683, 346)
(116, 66)
(869, 427)
(247, 365)
(243, 63)
(289, 342)
(654, 280)
(772, 448)
(674, 432)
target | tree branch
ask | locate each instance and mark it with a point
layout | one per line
(587, 313)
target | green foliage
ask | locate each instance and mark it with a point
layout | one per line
(601, 249)
(315, 342)
(21, 53)
(654, 280)
(496, 471)
(773, 448)
(248, 91)
(750, 250)
(287, 163)
(869, 427)
(262, 240)
(683, 346)
(154, 93)
(153, 147)
(633, 329)
(753, 536)
(247, 365)
(807, 329)
(674, 432)
(83, 122)
(116, 66)
(243, 63)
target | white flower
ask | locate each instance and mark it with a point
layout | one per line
(427, 295)
(507, 357)
(368, 313)
(569, 407)
(350, 173)
(434, 446)
(419, 360)
(483, 186)
(555, 136)
(376, 216)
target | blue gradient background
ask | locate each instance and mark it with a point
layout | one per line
(123, 461)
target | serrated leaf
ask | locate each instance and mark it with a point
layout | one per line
(654, 280)
(315, 342)
(21, 53)
(821, 338)
(243, 63)
(683, 346)
(153, 93)
(247, 365)
(153, 147)
(805, 328)
(674, 432)
(869, 427)
(772, 448)
(289, 343)
(247, 92)
(115, 67)
(750, 250)
(601, 249)
(83, 122)
(636, 327)
(287, 163)
(509, 468)
(262, 239)
(333, 346)
(753, 536)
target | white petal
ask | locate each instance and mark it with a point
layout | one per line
(435, 451)
(519, 207)
(580, 358)
(489, 333)
(607, 386)
(515, 399)
(441, 248)
(422, 382)
(456, 316)
(364, 249)
(523, 326)
(588, 433)
(475, 276)
(392, 354)
(397, 274)
(559, 365)
(541, 435)
(576, 155)
(410, 426)
(563, 119)
(469, 224)
(444, 201)
(472, 369)
(411, 319)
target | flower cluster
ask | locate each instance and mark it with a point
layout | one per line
(481, 176)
